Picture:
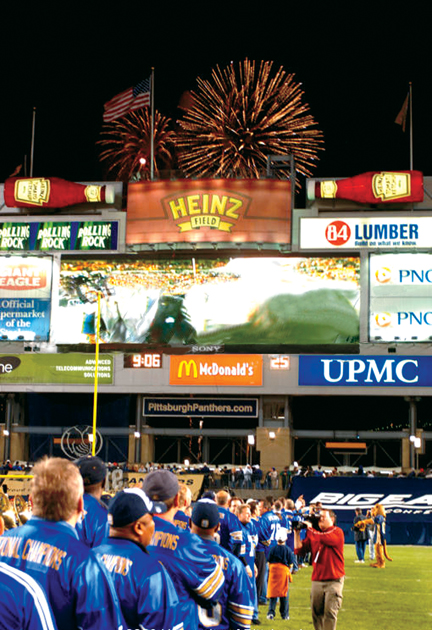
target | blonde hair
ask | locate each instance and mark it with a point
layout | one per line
(222, 497)
(56, 488)
(184, 496)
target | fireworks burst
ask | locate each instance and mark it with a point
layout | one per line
(238, 119)
(126, 143)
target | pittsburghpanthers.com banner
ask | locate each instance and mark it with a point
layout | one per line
(404, 499)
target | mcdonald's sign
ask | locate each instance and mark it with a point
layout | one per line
(210, 369)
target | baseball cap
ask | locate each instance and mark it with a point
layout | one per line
(205, 514)
(92, 469)
(130, 505)
(282, 534)
(160, 485)
(209, 494)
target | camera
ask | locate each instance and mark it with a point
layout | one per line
(298, 525)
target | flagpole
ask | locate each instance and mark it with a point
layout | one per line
(152, 124)
(32, 141)
(95, 393)
(411, 129)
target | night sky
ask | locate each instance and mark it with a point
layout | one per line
(355, 66)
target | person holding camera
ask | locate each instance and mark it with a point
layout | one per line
(327, 556)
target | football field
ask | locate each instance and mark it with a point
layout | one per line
(398, 597)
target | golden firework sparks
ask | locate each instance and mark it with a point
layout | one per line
(239, 118)
(126, 143)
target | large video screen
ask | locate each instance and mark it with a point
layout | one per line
(229, 301)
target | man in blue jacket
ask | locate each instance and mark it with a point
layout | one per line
(147, 595)
(235, 606)
(93, 526)
(47, 548)
(197, 577)
(23, 605)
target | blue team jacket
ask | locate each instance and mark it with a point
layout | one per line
(75, 581)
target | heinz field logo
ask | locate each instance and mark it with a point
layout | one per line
(204, 209)
(209, 369)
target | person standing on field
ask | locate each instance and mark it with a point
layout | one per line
(328, 568)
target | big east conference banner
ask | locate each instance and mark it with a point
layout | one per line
(404, 499)
(225, 210)
(25, 297)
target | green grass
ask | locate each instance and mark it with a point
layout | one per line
(398, 597)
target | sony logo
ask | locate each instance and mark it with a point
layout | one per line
(207, 349)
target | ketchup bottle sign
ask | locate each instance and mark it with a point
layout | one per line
(52, 192)
(374, 187)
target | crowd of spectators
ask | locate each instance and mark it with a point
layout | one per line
(245, 476)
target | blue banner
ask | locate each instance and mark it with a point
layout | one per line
(365, 371)
(408, 503)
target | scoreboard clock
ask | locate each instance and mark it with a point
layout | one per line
(146, 360)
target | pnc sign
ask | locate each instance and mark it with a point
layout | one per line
(210, 369)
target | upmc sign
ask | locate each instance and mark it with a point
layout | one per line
(208, 369)
(365, 371)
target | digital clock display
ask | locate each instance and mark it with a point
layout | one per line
(147, 360)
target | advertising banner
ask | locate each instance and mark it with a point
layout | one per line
(374, 187)
(116, 480)
(365, 371)
(209, 210)
(407, 502)
(400, 287)
(71, 368)
(193, 407)
(52, 192)
(366, 233)
(404, 499)
(193, 482)
(59, 236)
(210, 369)
(25, 297)
(211, 302)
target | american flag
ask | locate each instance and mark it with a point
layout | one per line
(127, 101)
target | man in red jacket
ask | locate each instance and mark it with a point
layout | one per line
(326, 548)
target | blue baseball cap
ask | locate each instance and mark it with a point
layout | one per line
(93, 469)
(205, 514)
(130, 505)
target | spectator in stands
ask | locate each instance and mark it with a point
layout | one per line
(257, 477)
